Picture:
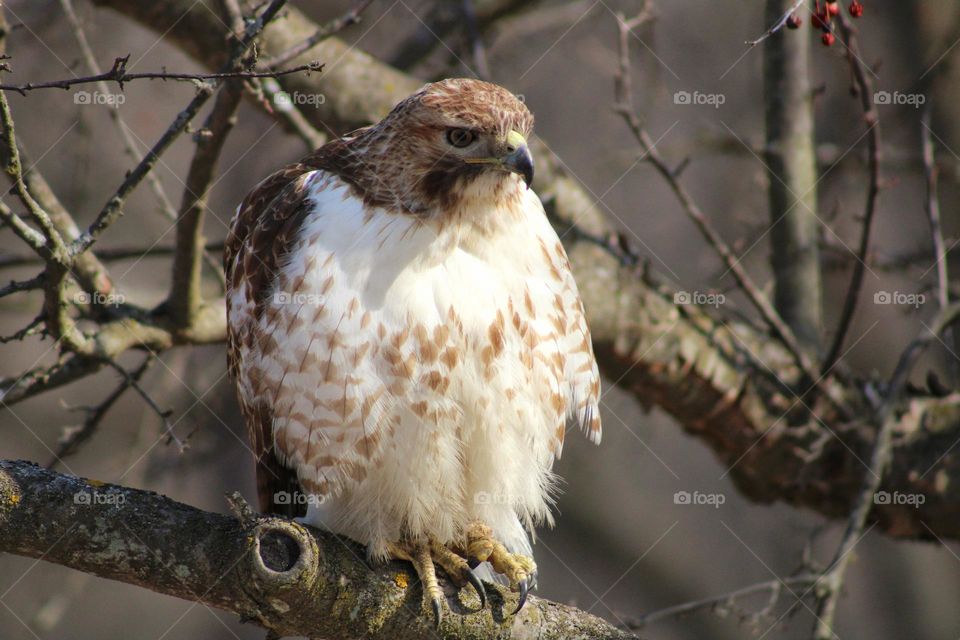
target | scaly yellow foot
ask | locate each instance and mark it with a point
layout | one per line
(425, 556)
(520, 570)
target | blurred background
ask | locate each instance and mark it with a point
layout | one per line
(622, 545)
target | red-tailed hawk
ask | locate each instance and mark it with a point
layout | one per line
(407, 340)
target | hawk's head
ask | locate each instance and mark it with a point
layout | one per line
(451, 141)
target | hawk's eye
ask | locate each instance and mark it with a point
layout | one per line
(461, 138)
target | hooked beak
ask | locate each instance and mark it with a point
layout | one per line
(518, 158)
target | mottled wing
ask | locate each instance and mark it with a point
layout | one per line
(259, 239)
(570, 348)
(317, 372)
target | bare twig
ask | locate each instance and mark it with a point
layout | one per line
(185, 295)
(267, 96)
(129, 144)
(16, 286)
(164, 414)
(112, 254)
(73, 437)
(120, 75)
(33, 238)
(55, 249)
(88, 271)
(864, 88)
(333, 27)
(774, 586)
(777, 25)
(624, 107)
(114, 207)
(828, 587)
(932, 207)
(35, 326)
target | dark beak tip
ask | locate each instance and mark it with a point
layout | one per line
(528, 175)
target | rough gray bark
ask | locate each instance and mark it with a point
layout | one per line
(725, 382)
(272, 572)
(791, 160)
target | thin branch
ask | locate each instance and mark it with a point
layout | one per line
(88, 271)
(129, 144)
(35, 327)
(725, 599)
(267, 96)
(33, 238)
(54, 242)
(829, 587)
(333, 27)
(778, 25)
(864, 88)
(132, 329)
(932, 207)
(114, 207)
(625, 108)
(110, 254)
(120, 75)
(73, 437)
(164, 414)
(54, 252)
(185, 295)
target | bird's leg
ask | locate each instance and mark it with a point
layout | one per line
(520, 570)
(425, 557)
(458, 569)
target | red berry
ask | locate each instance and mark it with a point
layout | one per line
(820, 21)
(832, 8)
(794, 21)
(856, 9)
(828, 39)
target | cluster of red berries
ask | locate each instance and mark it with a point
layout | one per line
(822, 18)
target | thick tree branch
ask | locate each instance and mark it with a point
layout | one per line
(272, 572)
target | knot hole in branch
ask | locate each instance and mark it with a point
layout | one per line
(284, 553)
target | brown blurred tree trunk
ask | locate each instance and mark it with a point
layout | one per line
(792, 164)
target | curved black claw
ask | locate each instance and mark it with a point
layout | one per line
(478, 586)
(524, 590)
(437, 612)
